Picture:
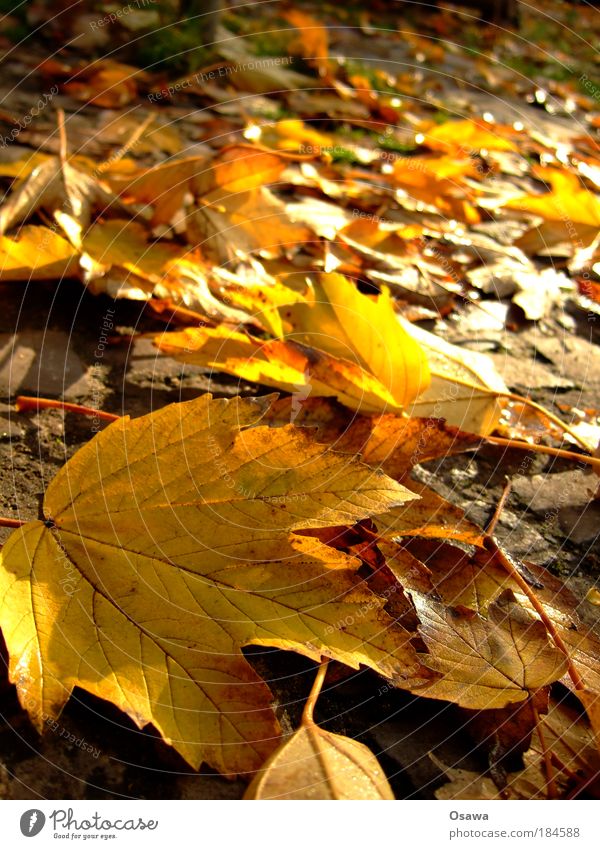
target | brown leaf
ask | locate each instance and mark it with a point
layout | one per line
(486, 663)
(316, 764)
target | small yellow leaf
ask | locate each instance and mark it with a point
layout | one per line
(341, 321)
(454, 137)
(465, 388)
(316, 764)
(439, 181)
(36, 253)
(570, 213)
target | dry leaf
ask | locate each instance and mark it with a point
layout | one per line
(66, 193)
(147, 600)
(439, 181)
(36, 253)
(316, 764)
(486, 663)
(468, 137)
(465, 387)
(338, 319)
(230, 227)
(281, 364)
(312, 43)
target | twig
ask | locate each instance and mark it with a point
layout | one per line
(499, 508)
(10, 523)
(594, 462)
(62, 134)
(25, 402)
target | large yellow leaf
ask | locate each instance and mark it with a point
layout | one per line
(165, 548)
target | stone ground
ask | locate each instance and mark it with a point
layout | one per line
(48, 342)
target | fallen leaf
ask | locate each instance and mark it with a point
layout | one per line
(66, 193)
(570, 214)
(312, 43)
(469, 137)
(36, 253)
(340, 320)
(147, 601)
(233, 226)
(465, 387)
(282, 364)
(486, 663)
(236, 169)
(439, 181)
(316, 764)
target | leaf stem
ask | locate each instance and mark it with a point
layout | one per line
(522, 399)
(512, 396)
(25, 402)
(492, 546)
(309, 707)
(10, 523)
(594, 462)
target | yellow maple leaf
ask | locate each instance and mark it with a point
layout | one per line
(166, 546)
(340, 320)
